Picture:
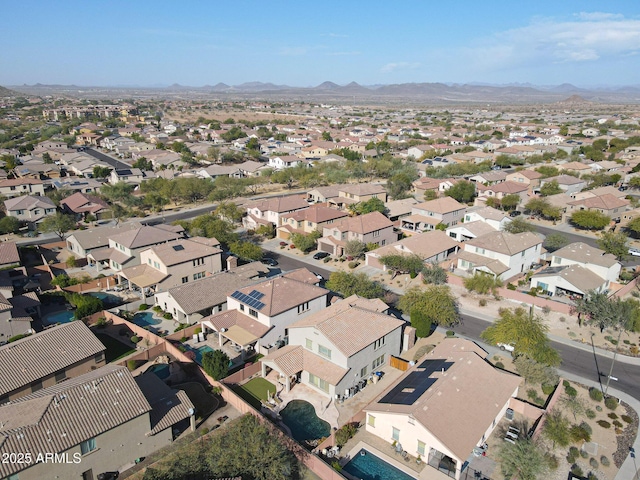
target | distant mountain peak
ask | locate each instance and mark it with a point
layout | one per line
(574, 99)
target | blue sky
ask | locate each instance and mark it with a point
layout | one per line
(139, 42)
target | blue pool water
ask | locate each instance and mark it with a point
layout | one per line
(107, 298)
(144, 319)
(301, 418)
(200, 351)
(64, 316)
(160, 369)
(370, 467)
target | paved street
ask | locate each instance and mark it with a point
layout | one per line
(106, 159)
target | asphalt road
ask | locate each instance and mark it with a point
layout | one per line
(106, 159)
(286, 263)
(575, 359)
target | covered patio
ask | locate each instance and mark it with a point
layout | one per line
(105, 258)
(236, 331)
(143, 277)
(418, 223)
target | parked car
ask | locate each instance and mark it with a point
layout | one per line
(509, 347)
(320, 255)
(515, 213)
(634, 251)
(269, 261)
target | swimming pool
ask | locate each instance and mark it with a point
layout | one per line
(65, 316)
(144, 319)
(200, 351)
(107, 299)
(301, 418)
(366, 466)
(160, 369)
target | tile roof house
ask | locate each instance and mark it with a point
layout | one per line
(567, 183)
(371, 227)
(81, 242)
(30, 209)
(308, 220)
(334, 349)
(9, 255)
(82, 204)
(501, 254)
(574, 280)
(427, 410)
(492, 216)
(178, 262)
(427, 215)
(468, 230)
(48, 357)
(598, 261)
(610, 205)
(432, 247)
(527, 177)
(14, 187)
(268, 211)
(352, 193)
(99, 421)
(192, 301)
(501, 190)
(258, 315)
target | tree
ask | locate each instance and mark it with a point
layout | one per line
(430, 195)
(616, 244)
(326, 136)
(46, 158)
(536, 206)
(435, 274)
(603, 311)
(119, 213)
(575, 405)
(590, 219)
(547, 171)
(9, 225)
(59, 224)
(526, 331)
(253, 144)
(402, 263)
(305, 243)
(511, 201)
(556, 428)
(354, 248)
(550, 188)
(100, 171)
(246, 250)
(534, 372)
(482, 283)
(211, 227)
(347, 284)
(399, 184)
(555, 241)
(634, 226)
(216, 364)
(143, 164)
(433, 305)
(119, 192)
(368, 206)
(229, 211)
(523, 459)
(519, 225)
(463, 191)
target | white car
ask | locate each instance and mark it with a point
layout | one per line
(635, 252)
(509, 347)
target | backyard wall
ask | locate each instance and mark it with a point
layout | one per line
(626, 288)
(95, 284)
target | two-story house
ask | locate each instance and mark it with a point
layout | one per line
(82, 204)
(167, 265)
(500, 254)
(268, 211)
(489, 215)
(433, 247)
(15, 187)
(370, 228)
(567, 183)
(82, 242)
(350, 194)
(601, 263)
(286, 161)
(127, 175)
(427, 215)
(333, 350)
(526, 177)
(258, 316)
(30, 209)
(611, 205)
(308, 220)
(501, 190)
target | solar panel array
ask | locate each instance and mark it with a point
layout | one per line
(256, 294)
(249, 300)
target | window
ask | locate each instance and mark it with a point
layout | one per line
(324, 351)
(363, 372)
(371, 421)
(199, 275)
(479, 250)
(241, 307)
(198, 261)
(98, 357)
(376, 233)
(421, 448)
(395, 434)
(318, 382)
(156, 264)
(303, 307)
(149, 261)
(185, 279)
(557, 260)
(377, 362)
(37, 385)
(253, 313)
(309, 224)
(378, 343)
(88, 446)
(309, 344)
(411, 420)
(60, 376)
(20, 212)
(36, 212)
(88, 475)
(452, 234)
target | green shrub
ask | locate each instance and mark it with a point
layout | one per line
(143, 306)
(565, 383)
(571, 392)
(135, 339)
(552, 462)
(586, 427)
(157, 308)
(167, 316)
(451, 333)
(576, 470)
(604, 461)
(511, 286)
(590, 414)
(198, 330)
(353, 265)
(611, 403)
(604, 424)
(593, 462)
(17, 337)
(598, 408)
(592, 476)
(131, 365)
(547, 388)
(499, 365)
(584, 454)
(617, 423)
(336, 466)
(612, 416)
(101, 322)
(626, 418)
(595, 394)
(326, 259)
(345, 433)
(578, 433)
(482, 302)
(413, 275)
(204, 431)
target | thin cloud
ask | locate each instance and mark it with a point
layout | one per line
(395, 66)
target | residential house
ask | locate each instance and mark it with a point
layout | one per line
(426, 412)
(190, 302)
(571, 280)
(124, 248)
(70, 350)
(398, 209)
(500, 254)
(176, 262)
(15, 187)
(29, 209)
(468, 230)
(82, 204)
(214, 171)
(500, 190)
(567, 183)
(338, 347)
(308, 220)
(370, 228)
(492, 216)
(491, 177)
(610, 205)
(268, 211)
(37, 170)
(418, 151)
(353, 193)
(258, 316)
(82, 242)
(427, 215)
(286, 161)
(76, 184)
(9, 255)
(127, 175)
(433, 247)
(526, 177)
(323, 194)
(136, 417)
(436, 185)
(603, 264)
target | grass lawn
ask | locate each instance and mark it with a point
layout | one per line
(115, 349)
(255, 390)
(204, 402)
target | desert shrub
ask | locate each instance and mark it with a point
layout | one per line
(595, 394)
(565, 383)
(422, 351)
(482, 302)
(598, 408)
(584, 454)
(604, 424)
(198, 330)
(548, 388)
(336, 466)
(511, 286)
(167, 316)
(586, 427)
(135, 339)
(617, 423)
(326, 259)
(157, 308)
(353, 265)
(552, 462)
(590, 414)
(204, 431)
(612, 416)
(143, 306)
(570, 391)
(611, 403)
(345, 433)
(577, 433)
(604, 461)
(576, 470)
(593, 462)
(451, 333)
(626, 418)
(499, 365)
(101, 322)
(535, 372)
(546, 310)
(131, 365)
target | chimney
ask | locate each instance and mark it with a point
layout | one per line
(232, 262)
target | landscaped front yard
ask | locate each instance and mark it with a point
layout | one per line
(255, 390)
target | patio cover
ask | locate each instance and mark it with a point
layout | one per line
(240, 336)
(143, 276)
(109, 254)
(291, 359)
